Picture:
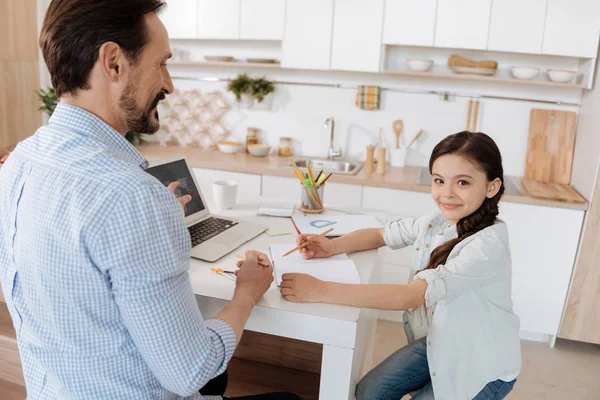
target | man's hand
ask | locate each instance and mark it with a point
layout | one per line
(254, 280)
(183, 200)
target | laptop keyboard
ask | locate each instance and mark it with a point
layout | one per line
(208, 228)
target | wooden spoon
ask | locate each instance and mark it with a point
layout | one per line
(397, 125)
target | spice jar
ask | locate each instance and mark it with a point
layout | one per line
(285, 147)
(252, 137)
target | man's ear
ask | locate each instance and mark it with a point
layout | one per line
(493, 188)
(111, 61)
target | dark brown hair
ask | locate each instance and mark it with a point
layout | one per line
(481, 150)
(74, 30)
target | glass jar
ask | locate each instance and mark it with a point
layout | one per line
(252, 137)
(285, 147)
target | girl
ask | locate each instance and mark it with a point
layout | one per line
(463, 335)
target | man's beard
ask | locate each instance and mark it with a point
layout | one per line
(139, 120)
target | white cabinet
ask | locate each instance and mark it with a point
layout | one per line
(543, 244)
(248, 185)
(218, 19)
(357, 27)
(262, 19)
(180, 17)
(572, 28)
(463, 24)
(342, 195)
(398, 202)
(409, 22)
(307, 40)
(517, 26)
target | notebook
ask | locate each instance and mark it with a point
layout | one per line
(276, 210)
(334, 269)
(341, 224)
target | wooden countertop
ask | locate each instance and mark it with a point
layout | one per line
(408, 178)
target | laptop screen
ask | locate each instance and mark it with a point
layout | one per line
(178, 171)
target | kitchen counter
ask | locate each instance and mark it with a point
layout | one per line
(410, 178)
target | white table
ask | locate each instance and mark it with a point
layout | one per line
(346, 333)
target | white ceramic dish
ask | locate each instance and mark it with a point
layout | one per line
(229, 147)
(560, 75)
(474, 71)
(259, 150)
(419, 65)
(525, 73)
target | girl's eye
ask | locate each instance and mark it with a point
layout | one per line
(439, 181)
(462, 183)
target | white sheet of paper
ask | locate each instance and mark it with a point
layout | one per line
(335, 269)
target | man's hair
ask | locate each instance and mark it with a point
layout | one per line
(74, 30)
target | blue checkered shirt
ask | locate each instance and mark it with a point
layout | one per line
(94, 258)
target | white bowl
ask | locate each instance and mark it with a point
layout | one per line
(259, 150)
(560, 75)
(526, 73)
(229, 147)
(419, 65)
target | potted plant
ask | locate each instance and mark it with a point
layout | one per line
(262, 91)
(49, 102)
(241, 88)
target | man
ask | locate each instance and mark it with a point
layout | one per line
(94, 253)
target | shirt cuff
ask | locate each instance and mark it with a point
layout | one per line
(224, 332)
(436, 286)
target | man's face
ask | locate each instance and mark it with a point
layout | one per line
(148, 81)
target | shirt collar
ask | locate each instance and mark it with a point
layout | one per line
(87, 124)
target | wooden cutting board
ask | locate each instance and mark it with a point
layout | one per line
(551, 191)
(550, 146)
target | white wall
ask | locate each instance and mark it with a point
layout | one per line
(587, 143)
(299, 111)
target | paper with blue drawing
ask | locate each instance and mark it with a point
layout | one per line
(341, 224)
(334, 269)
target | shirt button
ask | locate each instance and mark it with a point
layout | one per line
(429, 343)
(427, 246)
(429, 226)
(433, 374)
(417, 249)
(432, 313)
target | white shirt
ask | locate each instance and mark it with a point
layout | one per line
(472, 331)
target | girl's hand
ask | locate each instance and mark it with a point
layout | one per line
(317, 246)
(303, 288)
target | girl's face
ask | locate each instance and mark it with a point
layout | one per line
(459, 187)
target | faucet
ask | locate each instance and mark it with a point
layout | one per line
(331, 152)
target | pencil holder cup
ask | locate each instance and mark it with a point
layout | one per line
(399, 157)
(311, 200)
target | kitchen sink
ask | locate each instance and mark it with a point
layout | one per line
(343, 167)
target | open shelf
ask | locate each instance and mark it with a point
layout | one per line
(235, 64)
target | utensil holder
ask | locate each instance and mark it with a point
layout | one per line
(398, 157)
(311, 199)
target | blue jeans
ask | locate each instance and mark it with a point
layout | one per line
(406, 371)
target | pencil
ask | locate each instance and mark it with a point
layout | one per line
(331, 173)
(306, 243)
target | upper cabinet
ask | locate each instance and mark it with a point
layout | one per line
(262, 19)
(463, 24)
(181, 19)
(409, 22)
(307, 39)
(218, 19)
(517, 26)
(572, 28)
(357, 29)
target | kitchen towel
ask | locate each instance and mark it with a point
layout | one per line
(368, 98)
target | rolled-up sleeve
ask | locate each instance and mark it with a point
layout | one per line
(144, 250)
(480, 262)
(403, 232)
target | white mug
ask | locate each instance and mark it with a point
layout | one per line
(224, 193)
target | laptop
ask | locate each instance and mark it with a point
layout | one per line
(212, 237)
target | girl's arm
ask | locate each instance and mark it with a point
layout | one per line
(363, 239)
(306, 288)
